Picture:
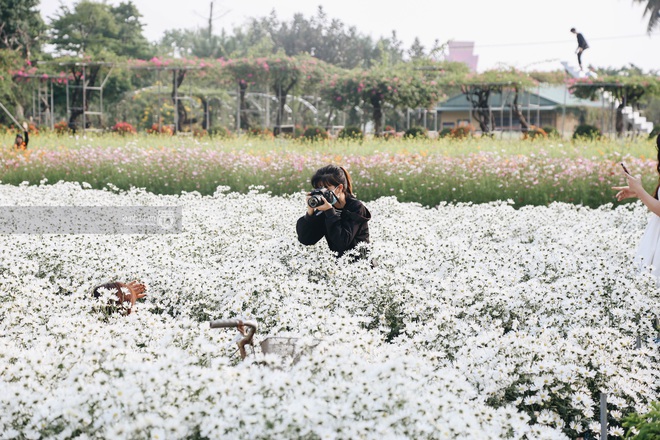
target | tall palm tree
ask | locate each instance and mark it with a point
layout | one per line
(653, 10)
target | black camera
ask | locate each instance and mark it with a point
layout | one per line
(316, 199)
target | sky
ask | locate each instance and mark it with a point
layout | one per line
(527, 34)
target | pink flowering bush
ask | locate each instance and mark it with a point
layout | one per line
(123, 128)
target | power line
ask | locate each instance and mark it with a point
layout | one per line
(543, 43)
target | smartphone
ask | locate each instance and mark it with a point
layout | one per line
(625, 169)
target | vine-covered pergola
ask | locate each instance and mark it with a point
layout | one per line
(279, 91)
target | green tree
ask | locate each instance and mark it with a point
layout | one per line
(88, 29)
(21, 26)
(287, 73)
(197, 43)
(94, 33)
(329, 40)
(417, 50)
(97, 29)
(389, 51)
(129, 39)
(381, 87)
(9, 92)
(652, 9)
(478, 88)
(243, 73)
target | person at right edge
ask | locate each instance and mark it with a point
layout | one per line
(582, 46)
(342, 220)
(648, 252)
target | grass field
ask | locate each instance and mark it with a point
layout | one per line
(426, 171)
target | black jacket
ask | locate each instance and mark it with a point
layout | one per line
(582, 42)
(342, 231)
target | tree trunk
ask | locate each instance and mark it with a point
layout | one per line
(245, 117)
(619, 125)
(281, 96)
(206, 110)
(619, 120)
(378, 118)
(77, 107)
(182, 115)
(478, 97)
(20, 112)
(524, 125)
(331, 115)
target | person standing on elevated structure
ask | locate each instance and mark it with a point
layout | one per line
(582, 46)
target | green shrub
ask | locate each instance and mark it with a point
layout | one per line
(536, 132)
(445, 132)
(462, 132)
(647, 426)
(389, 132)
(351, 133)
(62, 127)
(219, 132)
(415, 133)
(552, 132)
(123, 128)
(586, 131)
(655, 132)
(260, 132)
(315, 133)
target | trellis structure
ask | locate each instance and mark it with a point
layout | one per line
(261, 103)
(85, 89)
(42, 111)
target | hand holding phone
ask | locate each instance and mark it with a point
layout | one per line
(625, 169)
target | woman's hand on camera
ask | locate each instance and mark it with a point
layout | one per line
(324, 207)
(310, 210)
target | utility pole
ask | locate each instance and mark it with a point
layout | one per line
(211, 21)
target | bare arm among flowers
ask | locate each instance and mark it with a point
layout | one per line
(122, 293)
(137, 290)
(635, 189)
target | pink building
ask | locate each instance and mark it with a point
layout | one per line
(462, 52)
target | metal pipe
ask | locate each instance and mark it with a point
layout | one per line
(84, 99)
(10, 115)
(68, 103)
(563, 113)
(238, 109)
(160, 104)
(538, 109)
(240, 325)
(176, 100)
(603, 416)
(52, 108)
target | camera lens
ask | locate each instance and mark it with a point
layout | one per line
(314, 201)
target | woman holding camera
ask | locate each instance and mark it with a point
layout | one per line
(333, 212)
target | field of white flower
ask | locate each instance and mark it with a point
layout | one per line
(479, 322)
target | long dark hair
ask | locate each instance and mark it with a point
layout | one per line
(333, 175)
(114, 303)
